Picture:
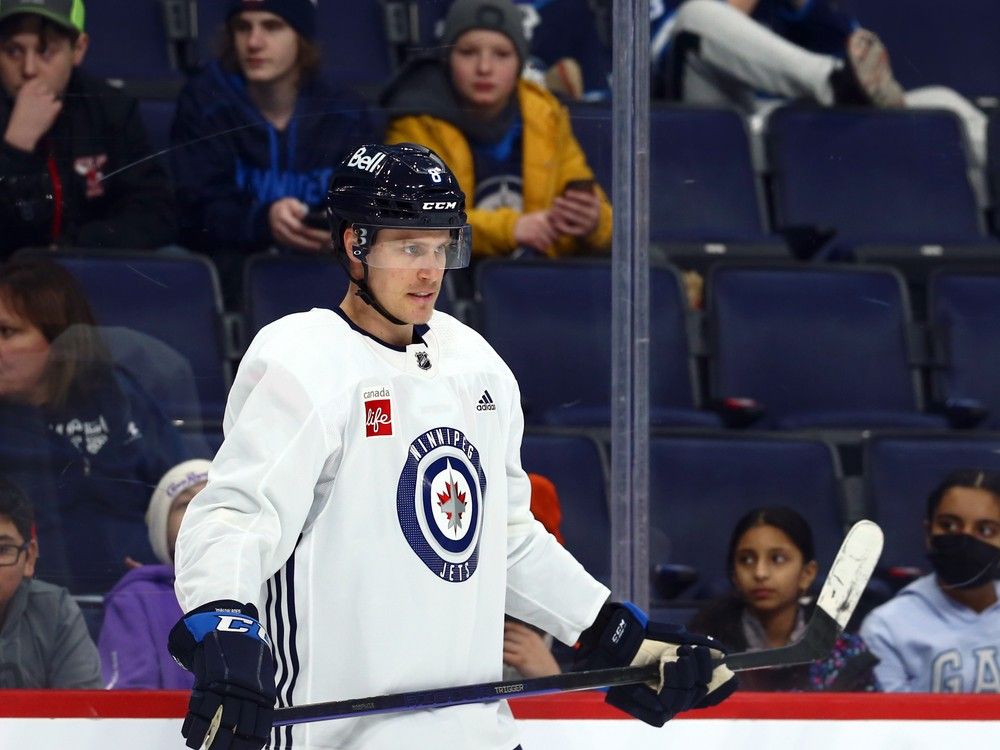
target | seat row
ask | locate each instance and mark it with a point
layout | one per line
(700, 483)
(840, 182)
(779, 346)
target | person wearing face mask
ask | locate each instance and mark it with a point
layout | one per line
(940, 633)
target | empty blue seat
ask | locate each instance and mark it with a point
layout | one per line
(551, 322)
(173, 299)
(816, 347)
(129, 45)
(576, 465)
(900, 472)
(700, 485)
(278, 285)
(702, 184)
(873, 176)
(964, 317)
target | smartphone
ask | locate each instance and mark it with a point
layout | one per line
(316, 219)
(586, 186)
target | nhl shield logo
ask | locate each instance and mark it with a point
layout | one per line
(439, 501)
(423, 361)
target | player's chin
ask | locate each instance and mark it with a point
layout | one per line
(421, 306)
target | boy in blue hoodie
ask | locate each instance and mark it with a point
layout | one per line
(256, 136)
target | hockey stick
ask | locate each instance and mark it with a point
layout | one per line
(841, 592)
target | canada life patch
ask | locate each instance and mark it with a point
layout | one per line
(439, 501)
(378, 417)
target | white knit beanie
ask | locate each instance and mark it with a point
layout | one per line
(178, 479)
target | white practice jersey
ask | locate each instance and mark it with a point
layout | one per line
(370, 501)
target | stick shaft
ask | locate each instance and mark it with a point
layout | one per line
(801, 652)
(457, 696)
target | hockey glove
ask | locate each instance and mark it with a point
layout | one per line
(226, 648)
(622, 636)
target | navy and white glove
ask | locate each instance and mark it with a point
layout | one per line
(622, 636)
(227, 649)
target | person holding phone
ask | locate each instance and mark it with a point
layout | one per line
(508, 140)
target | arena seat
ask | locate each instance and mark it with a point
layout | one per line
(702, 184)
(551, 322)
(173, 299)
(815, 347)
(963, 316)
(901, 470)
(872, 177)
(129, 46)
(576, 464)
(700, 485)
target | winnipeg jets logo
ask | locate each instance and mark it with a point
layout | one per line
(439, 502)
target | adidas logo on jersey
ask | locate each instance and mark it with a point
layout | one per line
(486, 403)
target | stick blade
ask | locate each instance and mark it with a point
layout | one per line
(850, 571)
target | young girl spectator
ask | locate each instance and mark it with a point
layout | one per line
(142, 607)
(771, 563)
(509, 141)
(940, 633)
(77, 431)
(256, 137)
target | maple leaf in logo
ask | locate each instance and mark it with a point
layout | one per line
(452, 502)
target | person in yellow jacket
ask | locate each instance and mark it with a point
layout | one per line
(508, 140)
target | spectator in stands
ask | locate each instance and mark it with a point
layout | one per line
(76, 429)
(508, 140)
(44, 641)
(727, 53)
(142, 607)
(771, 563)
(940, 633)
(527, 651)
(565, 49)
(256, 136)
(74, 159)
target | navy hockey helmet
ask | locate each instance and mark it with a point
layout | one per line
(401, 186)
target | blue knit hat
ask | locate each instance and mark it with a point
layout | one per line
(299, 14)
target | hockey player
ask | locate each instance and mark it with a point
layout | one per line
(366, 526)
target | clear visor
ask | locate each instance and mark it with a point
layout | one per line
(438, 249)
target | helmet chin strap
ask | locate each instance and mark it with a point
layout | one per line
(365, 292)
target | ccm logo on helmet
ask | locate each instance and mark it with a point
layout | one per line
(366, 163)
(440, 206)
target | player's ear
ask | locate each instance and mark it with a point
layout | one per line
(349, 239)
